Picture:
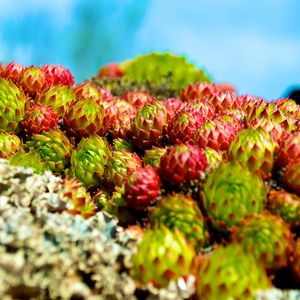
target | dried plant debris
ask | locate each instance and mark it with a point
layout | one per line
(48, 254)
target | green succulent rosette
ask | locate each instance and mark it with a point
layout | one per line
(152, 156)
(53, 147)
(255, 148)
(163, 255)
(231, 193)
(9, 144)
(12, 106)
(181, 212)
(118, 165)
(158, 67)
(121, 144)
(29, 159)
(59, 97)
(149, 125)
(160, 74)
(88, 161)
(230, 273)
(267, 237)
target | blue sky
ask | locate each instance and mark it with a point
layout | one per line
(252, 44)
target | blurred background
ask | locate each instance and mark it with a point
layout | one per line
(253, 44)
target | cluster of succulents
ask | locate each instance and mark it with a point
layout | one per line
(209, 179)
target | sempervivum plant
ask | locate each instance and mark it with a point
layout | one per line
(285, 204)
(58, 75)
(289, 150)
(29, 159)
(203, 106)
(9, 144)
(137, 98)
(79, 201)
(267, 237)
(39, 118)
(12, 106)
(12, 71)
(173, 106)
(33, 81)
(119, 115)
(255, 148)
(163, 255)
(87, 90)
(89, 160)
(153, 155)
(214, 158)
(182, 163)
(118, 166)
(292, 177)
(230, 273)
(85, 117)
(59, 97)
(198, 90)
(231, 193)
(54, 148)
(142, 187)
(289, 107)
(225, 100)
(184, 126)
(215, 134)
(181, 212)
(149, 125)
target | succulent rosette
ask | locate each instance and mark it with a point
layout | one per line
(184, 126)
(289, 150)
(255, 148)
(29, 159)
(181, 212)
(54, 148)
(230, 273)
(267, 237)
(88, 161)
(59, 97)
(153, 155)
(204, 107)
(85, 117)
(88, 90)
(142, 187)
(231, 193)
(9, 144)
(120, 144)
(149, 125)
(79, 201)
(286, 205)
(12, 106)
(173, 106)
(12, 71)
(137, 98)
(289, 107)
(33, 81)
(225, 100)
(215, 134)
(39, 118)
(182, 163)
(163, 255)
(58, 74)
(198, 90)
(118, 166)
